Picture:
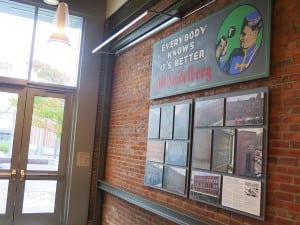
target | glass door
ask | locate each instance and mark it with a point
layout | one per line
(33, 178)
(11, 123)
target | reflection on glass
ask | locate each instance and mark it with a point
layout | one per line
(45, 135)
(39, 196)
(154, 119)
(3, 195)
(16, 22)
(175, 179)
(182, 119)
(8, 110)
(54, 62)
(223, 150)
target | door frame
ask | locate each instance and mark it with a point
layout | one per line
(20, 158)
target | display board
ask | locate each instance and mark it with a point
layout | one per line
(229, 151)
(168, 147)
(225, 150)
(230, 46)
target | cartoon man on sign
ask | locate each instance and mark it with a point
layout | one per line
(239, 59)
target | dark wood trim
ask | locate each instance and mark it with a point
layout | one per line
(105, 91)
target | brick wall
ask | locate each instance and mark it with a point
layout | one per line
(129, 124)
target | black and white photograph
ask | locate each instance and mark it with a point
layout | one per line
(154, 121)
(166, 122)
(209, 112)
(176, 153)
(223, 150)
(155, 151)
(175, 179)
(245, 109)
(202, 146)
(205, 186)
(249, 152)
(153, 174)
(182, 121)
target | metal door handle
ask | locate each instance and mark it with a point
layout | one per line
(22, 175)
(13, 173)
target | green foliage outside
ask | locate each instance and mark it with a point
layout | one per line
(4, 147)
(48, 74)
(48, 112)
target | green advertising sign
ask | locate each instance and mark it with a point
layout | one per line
(232, 45)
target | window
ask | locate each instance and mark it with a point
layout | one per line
(25, 51)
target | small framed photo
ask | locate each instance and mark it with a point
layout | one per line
(245, 109)
(205, 186)
(202, 145)
(249, 152)
(155, 151)
(223, 150)
(177, 153)
(209, 113)
(166, 122)
(153, 174)
(154, 121)
(175, 179)
(182, 121)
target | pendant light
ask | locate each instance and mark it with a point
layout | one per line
(61, 23)
(51, 2)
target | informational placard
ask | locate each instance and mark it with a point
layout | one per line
(232, 45)
(242, 194)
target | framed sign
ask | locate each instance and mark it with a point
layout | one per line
(232, 45)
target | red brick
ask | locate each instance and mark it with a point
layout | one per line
(127, 139)
(284, 196)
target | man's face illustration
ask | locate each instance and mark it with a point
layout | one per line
(248, 37)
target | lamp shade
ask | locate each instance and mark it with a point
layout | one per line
(61, 24)
(51, 2)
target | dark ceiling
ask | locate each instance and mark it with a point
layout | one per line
(133, 8)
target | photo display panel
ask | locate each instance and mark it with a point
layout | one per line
(168, 147)
(218, 156)
(229, 151)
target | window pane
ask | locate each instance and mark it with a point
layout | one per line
(3, 195)
(56, 63)
(45, 134)
(8, 111)
(39, 196)
(16, 22)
